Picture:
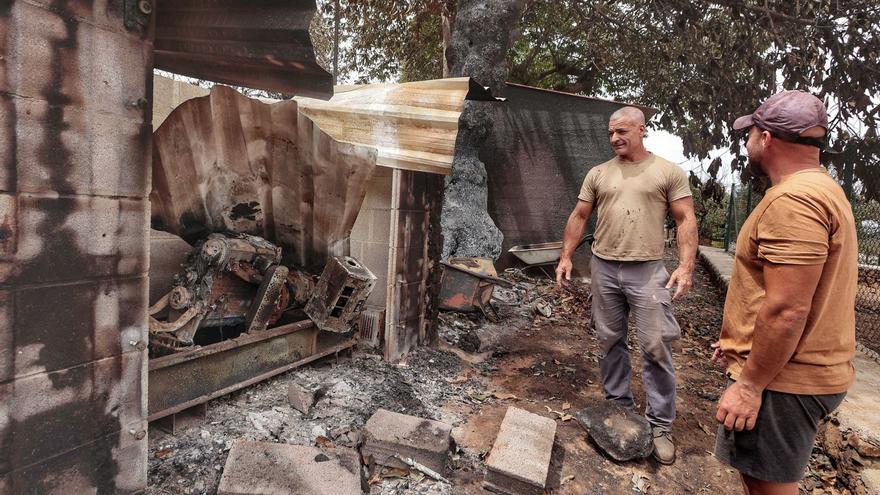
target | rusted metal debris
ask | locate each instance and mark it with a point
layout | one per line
(467, 285)
(340, 295)
(263, 45)
(229, 280)
(198, 374)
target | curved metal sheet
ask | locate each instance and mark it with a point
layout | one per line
(412, 126)
(228, 162)
(263, 44)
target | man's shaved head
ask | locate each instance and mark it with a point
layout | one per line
(629, 113)
(626, 131)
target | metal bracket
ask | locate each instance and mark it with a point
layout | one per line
(137, 15)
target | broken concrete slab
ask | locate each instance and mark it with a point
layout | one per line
(520, 458)
(267, 468)
(424, 441)
(618, 431)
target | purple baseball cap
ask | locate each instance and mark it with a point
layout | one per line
(787, 114)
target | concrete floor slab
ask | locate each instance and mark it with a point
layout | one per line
(267, 468)
(859, 410)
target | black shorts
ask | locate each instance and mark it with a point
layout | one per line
(778, 448)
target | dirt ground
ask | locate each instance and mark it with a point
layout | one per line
(545, 364)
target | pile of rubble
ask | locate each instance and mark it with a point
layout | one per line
(326, 412)
(415, 427)
(346, 393)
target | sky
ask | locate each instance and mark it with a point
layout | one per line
(669, 146)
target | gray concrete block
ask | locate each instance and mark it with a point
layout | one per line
(388, 433)
(360, 231)
(85, 469)
(74, 238)
(380, 226)
(59, 411)
(101, 319)
(104, 69)
(520, 459)
(99, 153)
(378, 195)
(272, 468)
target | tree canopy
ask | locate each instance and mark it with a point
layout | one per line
(701, 63)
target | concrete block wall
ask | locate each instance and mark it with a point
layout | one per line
(371, 234)
(168, 94)
(413, 199)
(74, 177)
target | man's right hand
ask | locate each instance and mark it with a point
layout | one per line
(718, 357)
(563, 272)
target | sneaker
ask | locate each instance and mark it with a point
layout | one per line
(664, 446)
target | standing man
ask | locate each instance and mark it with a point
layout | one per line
(788, 334)
(632, 194)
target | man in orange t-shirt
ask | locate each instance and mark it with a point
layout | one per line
(788, 334)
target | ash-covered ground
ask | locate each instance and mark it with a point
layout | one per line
(540, 356)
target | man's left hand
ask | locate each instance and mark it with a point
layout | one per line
(683, 279)
(738, 407)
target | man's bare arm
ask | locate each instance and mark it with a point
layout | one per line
(574, 231)
(778, 329)
(682, 211)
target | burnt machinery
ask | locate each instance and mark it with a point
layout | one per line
(237, 280)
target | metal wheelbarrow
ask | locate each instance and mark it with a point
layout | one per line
(467, 285)
(544, 254)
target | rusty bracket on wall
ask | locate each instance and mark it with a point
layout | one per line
(137, 15)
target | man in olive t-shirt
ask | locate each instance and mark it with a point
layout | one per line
(788, 334)
(632, 194)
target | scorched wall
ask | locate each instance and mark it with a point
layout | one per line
(74, 156)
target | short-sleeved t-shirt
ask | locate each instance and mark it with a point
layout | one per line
(631, 200)
(804, 220)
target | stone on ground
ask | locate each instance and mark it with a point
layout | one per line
(424, 441)
(301, 398)
(618, 431)
(267, 468)
(520, 459)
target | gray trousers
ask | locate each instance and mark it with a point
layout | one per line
(639, 288)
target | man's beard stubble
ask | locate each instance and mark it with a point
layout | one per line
(755, 169)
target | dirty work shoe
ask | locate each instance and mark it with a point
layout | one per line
(664, 447)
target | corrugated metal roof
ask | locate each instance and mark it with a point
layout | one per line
(412, 126)
(263, 44)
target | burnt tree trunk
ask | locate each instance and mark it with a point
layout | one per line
(483, 34)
